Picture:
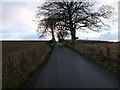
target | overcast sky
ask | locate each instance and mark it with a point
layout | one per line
(17, 21)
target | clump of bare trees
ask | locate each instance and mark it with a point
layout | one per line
(68, 16)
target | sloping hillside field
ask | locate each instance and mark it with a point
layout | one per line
(19, 58)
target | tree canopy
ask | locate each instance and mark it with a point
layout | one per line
(71, 16)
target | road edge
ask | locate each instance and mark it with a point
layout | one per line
(33, 75)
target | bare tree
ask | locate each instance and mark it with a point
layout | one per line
(77, 15)
(46, 25)
(62, 31)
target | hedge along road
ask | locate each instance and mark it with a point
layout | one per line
(68, 69)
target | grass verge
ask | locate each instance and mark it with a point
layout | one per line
(98, 54)
(21, 62)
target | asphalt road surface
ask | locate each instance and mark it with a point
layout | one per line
(67, 69)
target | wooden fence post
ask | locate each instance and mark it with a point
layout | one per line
(97, 49)
(118, 56)
(108, 52)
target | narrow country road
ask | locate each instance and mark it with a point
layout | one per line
(67, 69)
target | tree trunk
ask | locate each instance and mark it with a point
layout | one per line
(62, 37)
(53, 37)
(72, 29)
(73, 37)
(73, 33)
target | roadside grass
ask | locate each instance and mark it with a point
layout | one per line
(104, 53)
(19, 59)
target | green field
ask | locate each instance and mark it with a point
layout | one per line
(19, 58)
(106, 54)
